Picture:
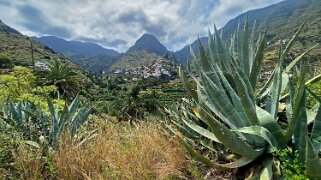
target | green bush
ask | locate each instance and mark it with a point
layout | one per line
(5, 61)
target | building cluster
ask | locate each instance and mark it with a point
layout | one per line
(155, 70)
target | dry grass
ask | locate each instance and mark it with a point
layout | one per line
(122, 152)
(28, 162)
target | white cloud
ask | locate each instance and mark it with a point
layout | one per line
(227, 9)
(118, 24)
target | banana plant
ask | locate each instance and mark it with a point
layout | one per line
(37, 125)
(227, 109)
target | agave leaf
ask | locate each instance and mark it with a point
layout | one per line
(200, 130)
(247, 101)
(54, 120)
(289, 45)
(218, 98)
(285, 82)
(272, 103)
(261, 132)
(205, 60)
(301, 131)
(230, 139)
(236, 164)
(186, 132)
(195, 155)
(265, 89)
(251, 45)
(211, 48)
(196, 62)
(290, 100)
(187, 85)
(176, 121)
(73, 107)
(267, 172)
(257, 63)
(268, 122)
(297, 105)
(232, 47)
(239, 44)
(313, 164)
(245, 63)
(296, 60)
(316, 129)
(222, 53)
(80, 119)
(235, 99)
(312, 113)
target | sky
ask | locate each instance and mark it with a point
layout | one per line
(117, 24)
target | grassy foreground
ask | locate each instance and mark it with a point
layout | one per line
(121, 151)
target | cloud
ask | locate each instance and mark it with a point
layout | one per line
(118, 24)
(227, 9)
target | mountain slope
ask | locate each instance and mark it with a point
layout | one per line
(282, 20)
(71, 48)
(96, 64)
(18, 48)
(149, 43)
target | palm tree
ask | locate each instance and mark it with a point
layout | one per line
(62, 76)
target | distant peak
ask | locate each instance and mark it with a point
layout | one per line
(148, 37)
(148, 42)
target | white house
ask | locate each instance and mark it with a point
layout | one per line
(41, 65)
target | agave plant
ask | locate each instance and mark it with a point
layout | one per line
(229, 110)
(36, 125)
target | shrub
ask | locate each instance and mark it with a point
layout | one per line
(5, 61)
(20, 85)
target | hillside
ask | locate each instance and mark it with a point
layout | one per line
(18, 48)
(134, 60)
(149, 43)
(72, 48)
(282, 20)
(95, 64)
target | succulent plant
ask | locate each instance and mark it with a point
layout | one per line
(227, 108)
(36, 125)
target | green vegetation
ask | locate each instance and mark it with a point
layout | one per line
(60, 122)
(95, 64)
(228, 113)
(5, 61)
(62, 76)
(21, 85)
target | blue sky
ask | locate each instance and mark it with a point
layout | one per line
(118, 24)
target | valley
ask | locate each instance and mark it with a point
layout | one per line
(242, 102)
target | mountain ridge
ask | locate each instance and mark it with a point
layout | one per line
(282, 20)
(72, 48)
(18, 48)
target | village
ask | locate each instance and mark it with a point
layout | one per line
(157, 69)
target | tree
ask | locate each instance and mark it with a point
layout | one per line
(63, 77)
(135, 92)
(5, 61)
